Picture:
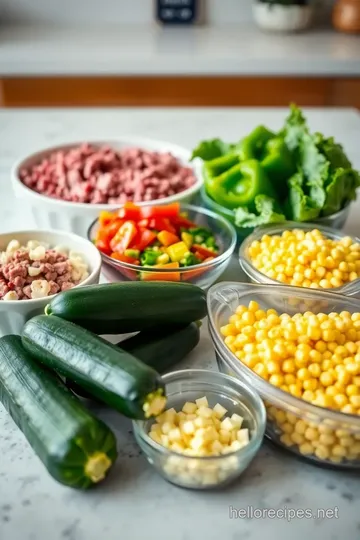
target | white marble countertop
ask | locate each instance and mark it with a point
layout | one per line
(135, 503)
(151, 50)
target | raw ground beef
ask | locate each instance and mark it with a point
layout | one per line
(102, 175)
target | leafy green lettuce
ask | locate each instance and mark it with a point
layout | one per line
(300, 206)
(266, 212)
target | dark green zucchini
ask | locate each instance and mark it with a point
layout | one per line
(162, 350)
(119, 308)
(105, 371)
(159, 350)
(76, 448)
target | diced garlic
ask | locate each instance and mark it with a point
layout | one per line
(32, 244)
(188, 427)
(13, 246)
(201, 422)
(165, 441)
(225, 436)
(39, 288)
(236, 445)
(227, 425)
(37, 254)
(216, 447)
(155, 437)
(219, 410)
(33, 272)
(177, 447)
(189, 408)
(174, 435)
(170, 415)
(205, 412)
(236, 421)
(10, 296)
(201, 402)
(197, 443)
(243, 436)
(167, 427)
(63, 250)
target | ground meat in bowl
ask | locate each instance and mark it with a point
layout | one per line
(36, 270)
(103, 175)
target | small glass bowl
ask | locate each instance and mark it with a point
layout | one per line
(203, 275)
(337, 220)
(284, 411)
(255, 276)
(205, 472)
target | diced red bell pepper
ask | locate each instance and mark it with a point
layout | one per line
(112, 228)
(203, 251)
(143, 223)
(143, 239)
(181, 221)
(199, 256)
(166, 211)
(130, 211)
(124, 258)
(162, 224)
(103, 246)
(124, 237)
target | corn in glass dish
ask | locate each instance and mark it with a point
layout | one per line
(303, 255)
(307, 374)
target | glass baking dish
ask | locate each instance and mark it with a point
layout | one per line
(351, 288)
(284, 411)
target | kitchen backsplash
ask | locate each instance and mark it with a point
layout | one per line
(95, 12)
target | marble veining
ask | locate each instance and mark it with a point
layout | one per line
(134, 502)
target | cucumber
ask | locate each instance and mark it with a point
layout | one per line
(160, 350)
(111, 375)
(76, 448)
(120, 308)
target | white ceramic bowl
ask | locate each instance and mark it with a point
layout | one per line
(52, 213)
(14, 314)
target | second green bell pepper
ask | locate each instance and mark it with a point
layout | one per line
(239, 185)
(273, 154)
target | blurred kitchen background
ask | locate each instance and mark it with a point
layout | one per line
(236, 53)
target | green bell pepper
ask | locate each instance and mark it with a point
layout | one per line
(219, 165)
(239, 185)
(273, 154)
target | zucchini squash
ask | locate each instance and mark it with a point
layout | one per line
(76, 448)
(163, 349)
(159, 350)
(120, 308)
(103, 370)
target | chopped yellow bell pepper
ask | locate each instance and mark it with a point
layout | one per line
(188, 239)
(177, 251)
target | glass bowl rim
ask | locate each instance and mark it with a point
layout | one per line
(262, 386)
(249, 449)
(350, 288)
(205, 265)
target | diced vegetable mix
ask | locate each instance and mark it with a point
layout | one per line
(269, 177)
(200, 431)
(312, 356)
(307, 259)
(155, 236)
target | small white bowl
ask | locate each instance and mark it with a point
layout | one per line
(52, 213)
(14, 314)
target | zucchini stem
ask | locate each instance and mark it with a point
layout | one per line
(155, 403)
(97, 467)
(47, 309)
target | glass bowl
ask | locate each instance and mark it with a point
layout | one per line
(286, 414)
(352, 288)
(202, 275)
(205, 472)
(337, 221)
